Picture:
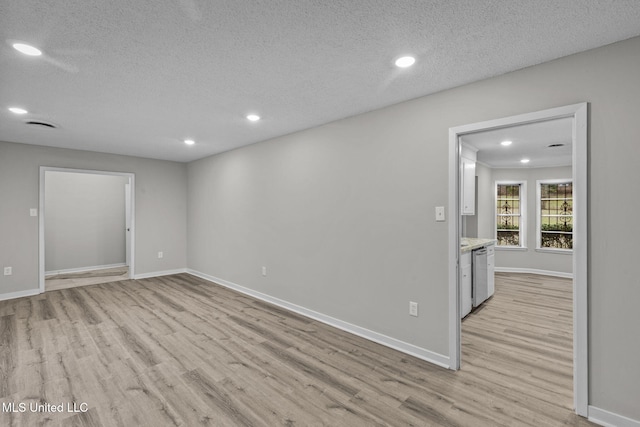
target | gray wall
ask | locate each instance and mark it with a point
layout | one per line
(485, 199)
(342, 215)
(161, 208)
(529, 258)
(336, 216)
(84, 221)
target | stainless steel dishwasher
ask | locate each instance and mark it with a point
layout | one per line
(480, 277)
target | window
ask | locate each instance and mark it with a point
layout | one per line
(555, 214)
(510, 214)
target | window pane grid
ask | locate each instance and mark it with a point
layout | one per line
(556, 215)
(508, 214)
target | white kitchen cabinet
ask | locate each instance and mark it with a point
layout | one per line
(468, 187)
(468, 180)
(466, 283)
(491, 263)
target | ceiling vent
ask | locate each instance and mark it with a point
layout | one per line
(40, 123)
(555, 145)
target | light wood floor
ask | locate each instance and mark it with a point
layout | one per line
(178, 351)
(84, 278)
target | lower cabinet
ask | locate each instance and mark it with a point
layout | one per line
(466, 283)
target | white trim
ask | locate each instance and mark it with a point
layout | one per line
(534, 271)
(41, 275)
(525, 167)
(42, 213)
(468, 152)
(578, 112)
(523, 213)
(610, 419)
(555, 251)
(419, 352)
(511, 248)
(81, 269)
(580, 261)
(19, 294)
(160, 273)
(455, 225)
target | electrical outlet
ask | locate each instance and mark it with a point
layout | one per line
(8, 271)
(160, 255)
(264, 270)
(413, 308)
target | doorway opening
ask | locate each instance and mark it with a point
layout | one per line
(86, 227)
(577, 116)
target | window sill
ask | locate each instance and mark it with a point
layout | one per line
(511, 248)
(555, 251)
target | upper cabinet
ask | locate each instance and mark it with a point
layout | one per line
(468, 180)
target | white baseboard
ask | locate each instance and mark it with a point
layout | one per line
(419, 352)
(19, 294)
(609, 419)
(534, 271)
(160, 273)
(81, 269)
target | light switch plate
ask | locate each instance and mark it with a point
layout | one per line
(413, 308)
(440, 213)
(33, 212)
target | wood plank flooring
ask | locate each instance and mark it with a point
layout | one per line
(179, 351)
(84, 278)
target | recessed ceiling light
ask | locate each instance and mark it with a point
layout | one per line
(405, 61)
(189, 141)
(253, 117)
(17, 110)
(524, 161)
(27, 49)
(506, 143)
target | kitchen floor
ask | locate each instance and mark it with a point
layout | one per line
(522, 339)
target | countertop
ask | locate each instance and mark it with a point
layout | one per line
(474, 243)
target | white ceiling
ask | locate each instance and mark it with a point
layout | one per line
(137, 77)
(530, 141)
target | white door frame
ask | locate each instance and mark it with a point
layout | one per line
(127, 223)
(131, 246)
(578, 112)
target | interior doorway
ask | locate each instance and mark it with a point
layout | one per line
(86, 227)
(577, 115)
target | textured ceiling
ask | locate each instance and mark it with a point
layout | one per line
(137, 77)
(529, 141)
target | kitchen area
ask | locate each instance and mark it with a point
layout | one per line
(521, 179)
(477, 255)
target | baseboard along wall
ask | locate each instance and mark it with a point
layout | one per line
(610, 419)
(19, 294)
(419, 352)
(534, 271)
